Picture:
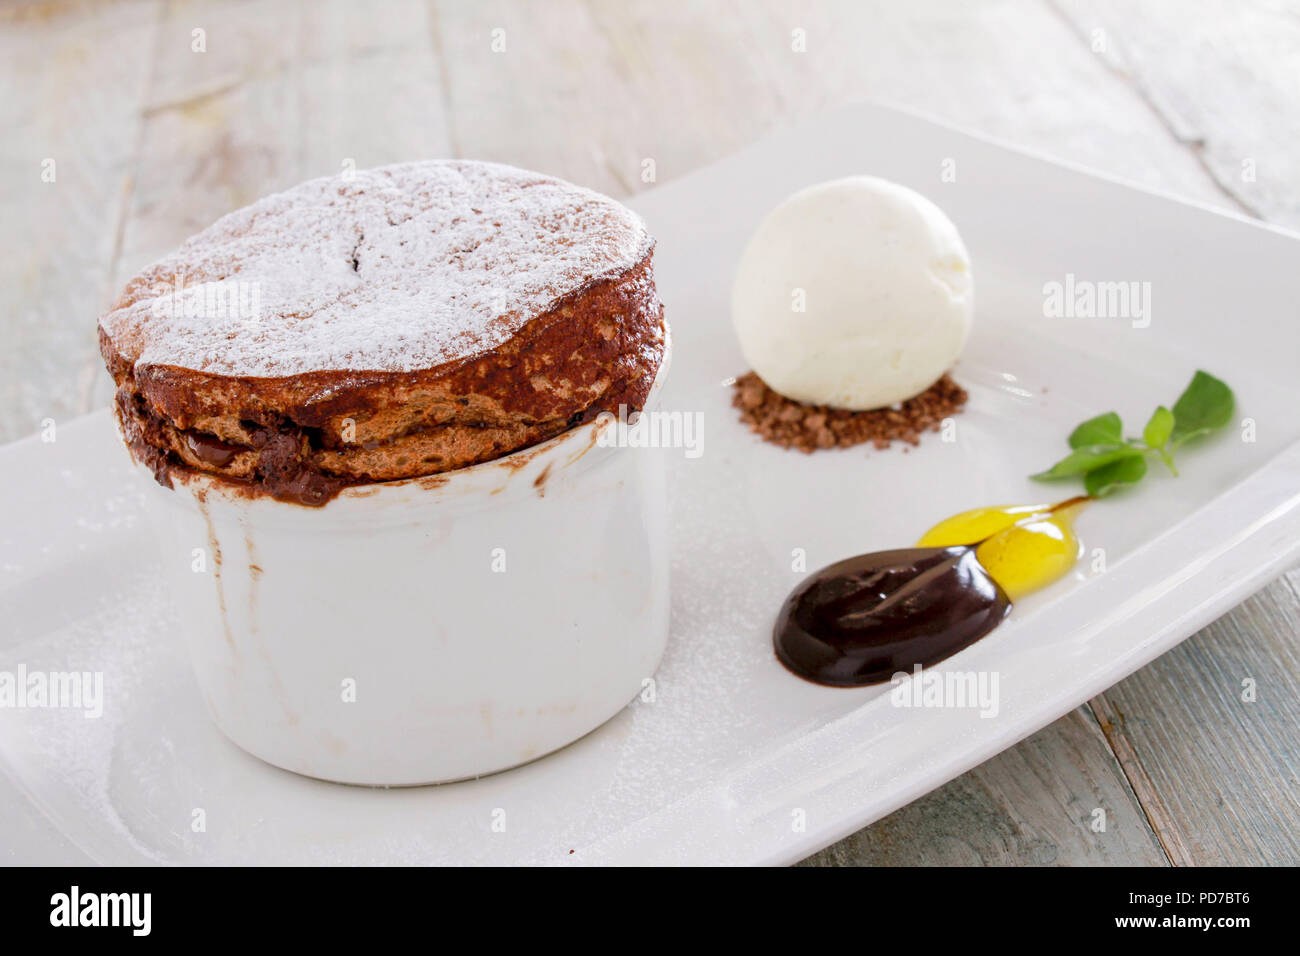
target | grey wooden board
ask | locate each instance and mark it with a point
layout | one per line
(1221, 772)
(1033, 805)
(154, 140)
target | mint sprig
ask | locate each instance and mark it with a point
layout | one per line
(1098, 431)
(1107, 460)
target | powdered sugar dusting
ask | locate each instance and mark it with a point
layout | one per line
(394, 269)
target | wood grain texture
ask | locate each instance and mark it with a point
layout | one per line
(1007, 68)
(71, 110)
(155, 139)
(545, 67)
(1223, 76)
(1221, 772)
(1032, 805)
(281, 93)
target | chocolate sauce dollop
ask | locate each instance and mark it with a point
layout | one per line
(862, 620)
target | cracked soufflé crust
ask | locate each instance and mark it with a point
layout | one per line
(402, 322)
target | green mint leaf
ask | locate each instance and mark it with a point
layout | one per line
(1159, 428)
(1083, 460)
(1098, 431)
(1206, 404)
(1125, 471)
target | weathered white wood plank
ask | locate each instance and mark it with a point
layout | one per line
(1224, 76)
(711, 77)
(71, 117)
(539, 86)
(279, 93)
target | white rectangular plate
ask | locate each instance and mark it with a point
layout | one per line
(714, 769)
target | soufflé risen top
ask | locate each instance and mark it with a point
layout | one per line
(396, 323)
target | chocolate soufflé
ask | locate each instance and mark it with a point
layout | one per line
(395, 323)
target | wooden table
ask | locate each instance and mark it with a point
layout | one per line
(129, 125)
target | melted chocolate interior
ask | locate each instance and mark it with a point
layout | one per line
(211, 449)
(862, 620)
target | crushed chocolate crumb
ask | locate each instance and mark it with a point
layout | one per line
(792, 424)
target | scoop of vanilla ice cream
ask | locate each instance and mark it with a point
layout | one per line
(854, 293)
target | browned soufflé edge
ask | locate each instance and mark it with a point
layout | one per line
(303, 438)
(791, 424)
(267, 435)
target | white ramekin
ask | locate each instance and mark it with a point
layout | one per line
(427, 630)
